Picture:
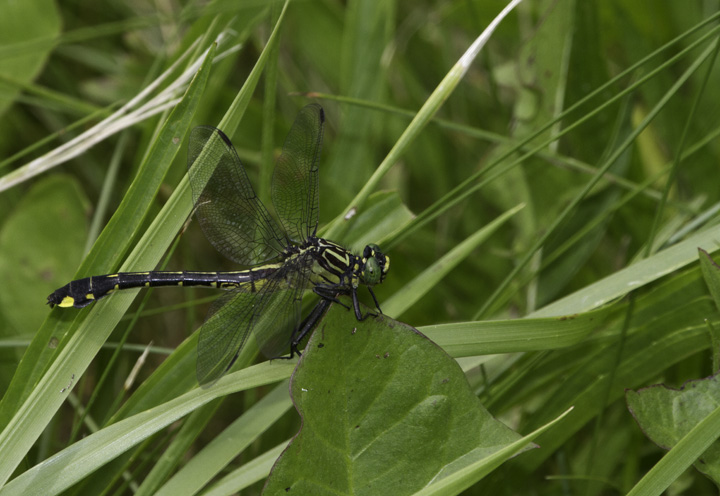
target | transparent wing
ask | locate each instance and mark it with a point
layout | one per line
(281, 310)
(295, 180)
(231, 215)
(271, 313)
(223, 334)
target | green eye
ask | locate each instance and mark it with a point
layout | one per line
(372, 273)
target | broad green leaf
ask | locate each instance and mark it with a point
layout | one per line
(385, 411)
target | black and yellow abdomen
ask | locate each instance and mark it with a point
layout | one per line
(82, 292)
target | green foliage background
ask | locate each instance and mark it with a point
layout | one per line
(617, 194)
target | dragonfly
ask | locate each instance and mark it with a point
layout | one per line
(286, 258)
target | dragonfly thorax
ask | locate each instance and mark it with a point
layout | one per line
(336, 265)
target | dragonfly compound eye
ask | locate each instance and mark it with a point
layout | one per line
(372, 273)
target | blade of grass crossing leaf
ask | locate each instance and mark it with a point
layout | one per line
(73, 358)
(679, 458)
(423, 283)
(457, 482)
(587, 387)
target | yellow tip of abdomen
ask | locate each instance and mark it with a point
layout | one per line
(68, 301)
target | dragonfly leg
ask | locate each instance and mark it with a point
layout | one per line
(329, 293)
(308, 324)
(356, 306)
(377, 305)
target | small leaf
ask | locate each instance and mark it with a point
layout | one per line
(667, 415)
(385, 411)
(27, 31)
(38, 253)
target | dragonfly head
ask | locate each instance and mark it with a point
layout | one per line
(375, 265)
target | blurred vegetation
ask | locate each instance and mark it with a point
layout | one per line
(66, 65)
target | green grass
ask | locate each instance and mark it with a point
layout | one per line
(543, 213)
